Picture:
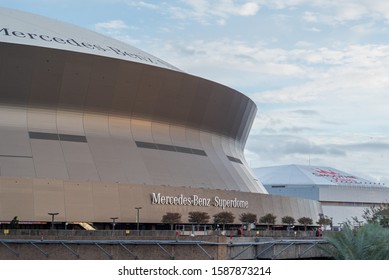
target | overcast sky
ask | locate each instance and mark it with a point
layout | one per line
(318, 70)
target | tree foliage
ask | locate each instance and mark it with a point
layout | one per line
(223, 218)
(288, 220)
(198, 217)
(268, 219)
(324, 221)
(305, 221)
(368, 242)
(248, 218)
(171, 219)
(378, 214)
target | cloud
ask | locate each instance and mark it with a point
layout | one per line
(305, 112)
(221, 22)
(281, 146)
(347, 154)
(333, 13)
(366, 146)
(222, 8)
(211, 12)
(353, 69)
(247, 9)
(143, 4)
(310, 17)
(116, 28)
(296, 129)
(230, 62)
(322, 70)
(116, 24)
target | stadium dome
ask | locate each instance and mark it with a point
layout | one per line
(91, 126)
(294, 174)
(342, 195)
(75, 86)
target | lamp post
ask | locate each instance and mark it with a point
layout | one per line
(113, 222)
(137, 218)
(52, 214)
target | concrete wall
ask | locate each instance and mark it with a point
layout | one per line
(157, 248)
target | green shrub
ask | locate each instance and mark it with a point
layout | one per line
(368, 242)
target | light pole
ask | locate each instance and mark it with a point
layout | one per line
(137, 218)
(52, 218)
(113, 222)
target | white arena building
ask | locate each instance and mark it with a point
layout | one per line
(342, 195)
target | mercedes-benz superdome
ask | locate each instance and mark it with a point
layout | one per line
(92, 127)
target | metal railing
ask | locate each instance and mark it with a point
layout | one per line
(259, 249)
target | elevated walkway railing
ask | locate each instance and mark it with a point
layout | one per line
(272, 249)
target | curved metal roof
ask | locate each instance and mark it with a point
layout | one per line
(19, 27)
(69, 68)
(294, 174)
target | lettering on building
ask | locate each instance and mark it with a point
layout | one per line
(79, 44)
(195, 200)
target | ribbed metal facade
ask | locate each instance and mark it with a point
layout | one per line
(74, 122)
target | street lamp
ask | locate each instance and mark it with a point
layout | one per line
(52, 219)
(113, 222)
(137, 218)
